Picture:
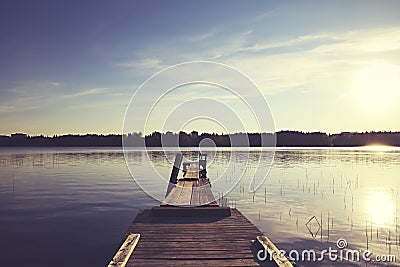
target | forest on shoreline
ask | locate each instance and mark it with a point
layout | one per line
(194, 139)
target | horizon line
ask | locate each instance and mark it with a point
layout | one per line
(200, 133)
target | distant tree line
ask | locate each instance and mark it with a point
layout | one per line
(194, 139)
(88, 140)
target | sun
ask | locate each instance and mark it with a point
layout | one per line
(377, 86)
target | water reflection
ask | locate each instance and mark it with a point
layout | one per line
(90, 195)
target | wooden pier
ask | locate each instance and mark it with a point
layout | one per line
(189, 228)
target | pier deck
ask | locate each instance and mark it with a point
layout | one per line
(195, 241)
(189, 228)
(190, 193)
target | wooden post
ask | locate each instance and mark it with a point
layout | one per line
(173, 179)
(203, 166)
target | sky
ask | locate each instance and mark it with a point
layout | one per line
(73, 66)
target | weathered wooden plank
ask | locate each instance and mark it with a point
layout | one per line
(206, 196)
(200, 255)
(238, 247)
(124, 253)
(209, 238)
(209, 194)
(188, 212)
(193, 236)
(196, 229)
(280, 260)
(193, 171)
(188, 184)
(203, 196)
(172, 196)
(216, 263)
(195, 201)
(185, 227)
(207, 243)
(185, 195)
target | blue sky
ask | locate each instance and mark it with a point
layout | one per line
(72, 66)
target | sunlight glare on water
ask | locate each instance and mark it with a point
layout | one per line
(379, 147)
(380, 208)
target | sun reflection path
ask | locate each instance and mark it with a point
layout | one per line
(379, 147)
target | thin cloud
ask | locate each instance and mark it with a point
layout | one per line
(7, 109)
(92, 91)
(29, 88)
(326, 63)
(365, 41)
(143, 63)
(119, 104)
(201, 37)
(315, 61)
(296, 42)
(26, 95)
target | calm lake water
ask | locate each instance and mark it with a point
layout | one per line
(72, 206)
